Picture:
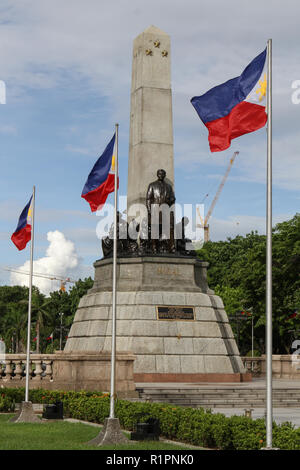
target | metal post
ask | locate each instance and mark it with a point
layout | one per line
(238, 333)
(114, 292)
(29, 300)
(252, 338)
(269, 409)
(61, 328)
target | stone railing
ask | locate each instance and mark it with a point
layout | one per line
(253, 365)
(13, 368)
(68, 371)
(283, 366)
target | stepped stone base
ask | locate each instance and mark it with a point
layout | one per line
(199, 349)
(110, 434)
(90, 370)
(25, 414)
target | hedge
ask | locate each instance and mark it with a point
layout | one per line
(199, 426)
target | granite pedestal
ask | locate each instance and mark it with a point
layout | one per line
(177, 350)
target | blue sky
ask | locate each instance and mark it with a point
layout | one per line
(67, 70)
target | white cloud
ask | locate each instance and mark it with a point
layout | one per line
(61, 261)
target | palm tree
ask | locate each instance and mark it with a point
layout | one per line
(41, 317)
(40, 313)
(14, 326)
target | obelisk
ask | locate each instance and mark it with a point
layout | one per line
(168, 317)
(151, 123)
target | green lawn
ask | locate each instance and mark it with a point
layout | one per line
(61, 435)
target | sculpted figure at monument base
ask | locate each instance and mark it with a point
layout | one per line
(126, 245)
(158, 233)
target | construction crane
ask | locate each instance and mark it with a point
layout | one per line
(51, 277)
(204, 223)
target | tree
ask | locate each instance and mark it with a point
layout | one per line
(40, 313)
(45, 313)
(13, 316)
(15, 327)
(66, 303)
(79, 290)
(240, 263)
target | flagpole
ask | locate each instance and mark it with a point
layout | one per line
(114, 292)
(269, 407)
(29, 300)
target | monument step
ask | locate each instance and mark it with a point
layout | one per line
(235, 392)
(221, 397)
(247, 406)
(204, 397)
(281, 397)
(232, 396)
(229, 403)
(212, 401)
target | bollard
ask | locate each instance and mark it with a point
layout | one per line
(248, 412)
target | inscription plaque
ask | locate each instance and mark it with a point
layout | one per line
(167, 271)
(175, 312)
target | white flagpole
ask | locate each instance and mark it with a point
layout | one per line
(114, 292)
(30, 296)
(269, 348)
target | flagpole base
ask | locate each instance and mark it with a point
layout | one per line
(110, 434)
(269, 448)
(26, 414)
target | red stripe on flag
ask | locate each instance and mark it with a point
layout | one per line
(98, 196)
(245, 117)
(22, 237)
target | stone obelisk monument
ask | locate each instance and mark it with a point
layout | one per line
(167, 316)
(151, 124)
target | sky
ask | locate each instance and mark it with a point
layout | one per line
(67, 71)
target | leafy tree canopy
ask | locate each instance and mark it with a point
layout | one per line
(238, 274)
(46, 318)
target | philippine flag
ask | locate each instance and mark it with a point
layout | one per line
(101, 180)
(236, 107)
(22, 234)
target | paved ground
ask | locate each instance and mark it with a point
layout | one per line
(280, 415)
(255, 383)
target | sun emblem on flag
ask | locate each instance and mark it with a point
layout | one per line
(262, 90)
(113, 163)
(29, 214)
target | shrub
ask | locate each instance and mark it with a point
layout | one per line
(247, 433)
(94, 409)
(221, 431)
(194, 426)
(7, 404)
(286, 437)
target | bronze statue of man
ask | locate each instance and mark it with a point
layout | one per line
(160, 193)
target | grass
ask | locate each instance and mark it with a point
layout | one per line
(62, 435)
